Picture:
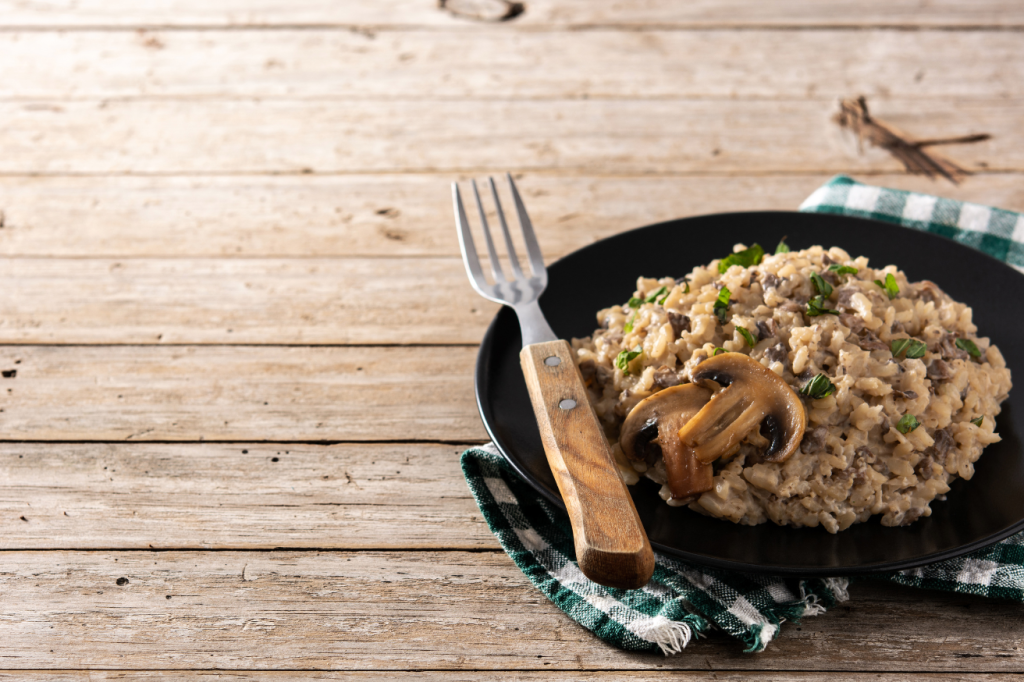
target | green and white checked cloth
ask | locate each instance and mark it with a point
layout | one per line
(684, 600)
(994, 231)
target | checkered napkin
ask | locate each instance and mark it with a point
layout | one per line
(994, 231)
(682, 600)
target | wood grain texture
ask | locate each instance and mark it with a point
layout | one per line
(475, 676)
(540, 13)
(425, 610)
(250, 301)
(244, 495)
(593, 137)
(160, 157)
(496, 62)
(610, 541)
(380, 215)
(238, 393)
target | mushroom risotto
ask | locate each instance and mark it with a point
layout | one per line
(898, 392)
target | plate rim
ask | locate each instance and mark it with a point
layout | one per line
(479, 379)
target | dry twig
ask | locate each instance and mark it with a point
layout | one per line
(853, 114)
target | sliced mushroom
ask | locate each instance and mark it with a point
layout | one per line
(652, 429)
(752, 397)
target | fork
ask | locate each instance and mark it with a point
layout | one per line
(611, 546)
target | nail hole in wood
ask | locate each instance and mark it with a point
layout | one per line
(483, 10)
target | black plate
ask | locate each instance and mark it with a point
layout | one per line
(978, 512)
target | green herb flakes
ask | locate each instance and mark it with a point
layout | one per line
(969, 346)
(662, 292)
(914, 348)
(979, 421)
(783, 247)
(842, 269)
(819, 387)
(816, 306)
(820, 285)
(746, 258)
(625, 357)
(634, 302)
(747, 336)
(718, 349)
(722, 304)
(628, 327)
(892, 290)
(687, 289)
(907, 423)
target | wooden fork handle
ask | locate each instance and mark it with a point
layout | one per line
(611, 545)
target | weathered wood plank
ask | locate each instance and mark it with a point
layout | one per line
(539, 13)
(603, 137)
(238, 393)
(250, 301)
(474, 676)
(498, 63)
(424, 610)
(379, 215)
(246, 495)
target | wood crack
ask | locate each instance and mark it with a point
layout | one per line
(853, 114)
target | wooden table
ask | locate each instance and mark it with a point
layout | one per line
(238, 339)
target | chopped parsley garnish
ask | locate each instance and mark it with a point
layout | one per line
(816, 306)
(820, 285)
(634, 302)
(746, 258)
(628, 327)
(914, 348)
(907, 423)
(842, 269)
(747, 336)
(817, 388)
(687, 289)
(892, 290)
(969, 346)
(979, 421)
(662, 292)
(718, 349)
(722, 304)
(625, 357)
(783, 247)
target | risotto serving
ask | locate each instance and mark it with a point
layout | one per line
(898, 392)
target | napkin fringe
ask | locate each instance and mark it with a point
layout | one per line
(759, 635)
(671, 636)
(839, 587)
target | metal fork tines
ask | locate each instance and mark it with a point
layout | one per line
(518, 291)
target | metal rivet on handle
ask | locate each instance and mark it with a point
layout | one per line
(553, 361)
(567, 404)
